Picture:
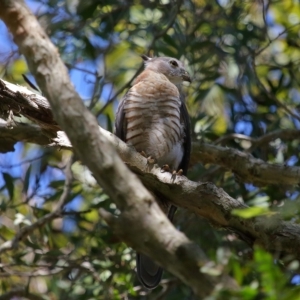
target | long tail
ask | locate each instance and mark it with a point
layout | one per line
(148, 272)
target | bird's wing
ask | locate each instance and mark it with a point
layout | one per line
(120, 122)
(184, 164)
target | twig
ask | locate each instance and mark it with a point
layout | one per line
(98, 87)
(23, 162)
(232, 136)
(283, 134)
(81, 69)
(274, 39)
(36, 273)
(102, 109)
(264, 10)
(271, 95)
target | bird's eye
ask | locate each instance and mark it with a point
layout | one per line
(174, 63)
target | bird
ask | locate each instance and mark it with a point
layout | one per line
(153, 118)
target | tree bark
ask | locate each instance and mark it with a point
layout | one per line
(203, 199)
(141, 224)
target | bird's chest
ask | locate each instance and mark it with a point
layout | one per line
(154, 125)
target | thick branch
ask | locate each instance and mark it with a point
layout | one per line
(141, 224)
(243, 165)
(214, 204)
(139, 210)
(203, 199)
(30, 133)
(33, 106)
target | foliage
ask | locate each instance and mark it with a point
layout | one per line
(244, 57)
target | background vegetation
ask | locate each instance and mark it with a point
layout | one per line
(244, 59)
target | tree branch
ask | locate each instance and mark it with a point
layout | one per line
(283, 134)
(243, 165)
(141, 223)
(156, 236)
(205, 199)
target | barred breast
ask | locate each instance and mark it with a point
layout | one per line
(152, 113)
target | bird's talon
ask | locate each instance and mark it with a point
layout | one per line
(180, 172)
(150, 160)
(143, 153)
(165, 168)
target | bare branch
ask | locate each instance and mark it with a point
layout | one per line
(283, 134)
(243, 165)
(33, 106)
(233, 136)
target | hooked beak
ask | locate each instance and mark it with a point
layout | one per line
(186, 76)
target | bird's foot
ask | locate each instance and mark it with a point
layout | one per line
(179, 172)
(165, 168)
(150, 159)
(143, 154)
(176, 173)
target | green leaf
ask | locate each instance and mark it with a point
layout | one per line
(26, 180)
(9, 184)
(250, 212)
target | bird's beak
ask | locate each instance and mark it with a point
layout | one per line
(186, 76)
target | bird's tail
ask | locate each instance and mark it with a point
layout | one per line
(148, 272)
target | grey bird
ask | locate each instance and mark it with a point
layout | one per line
(152, 117)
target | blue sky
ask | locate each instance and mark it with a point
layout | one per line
(15, 163)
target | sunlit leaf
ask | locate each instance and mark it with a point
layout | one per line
(250, 212)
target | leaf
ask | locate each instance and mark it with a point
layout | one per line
(86, 8)
(9, 184)
(26, 180)
(29, 243)
(105, 275)
(18, 68)
(250, 212)
(6, 233)
(57, 184)
(89, 48)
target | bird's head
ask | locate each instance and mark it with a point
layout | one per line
(171, 67)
